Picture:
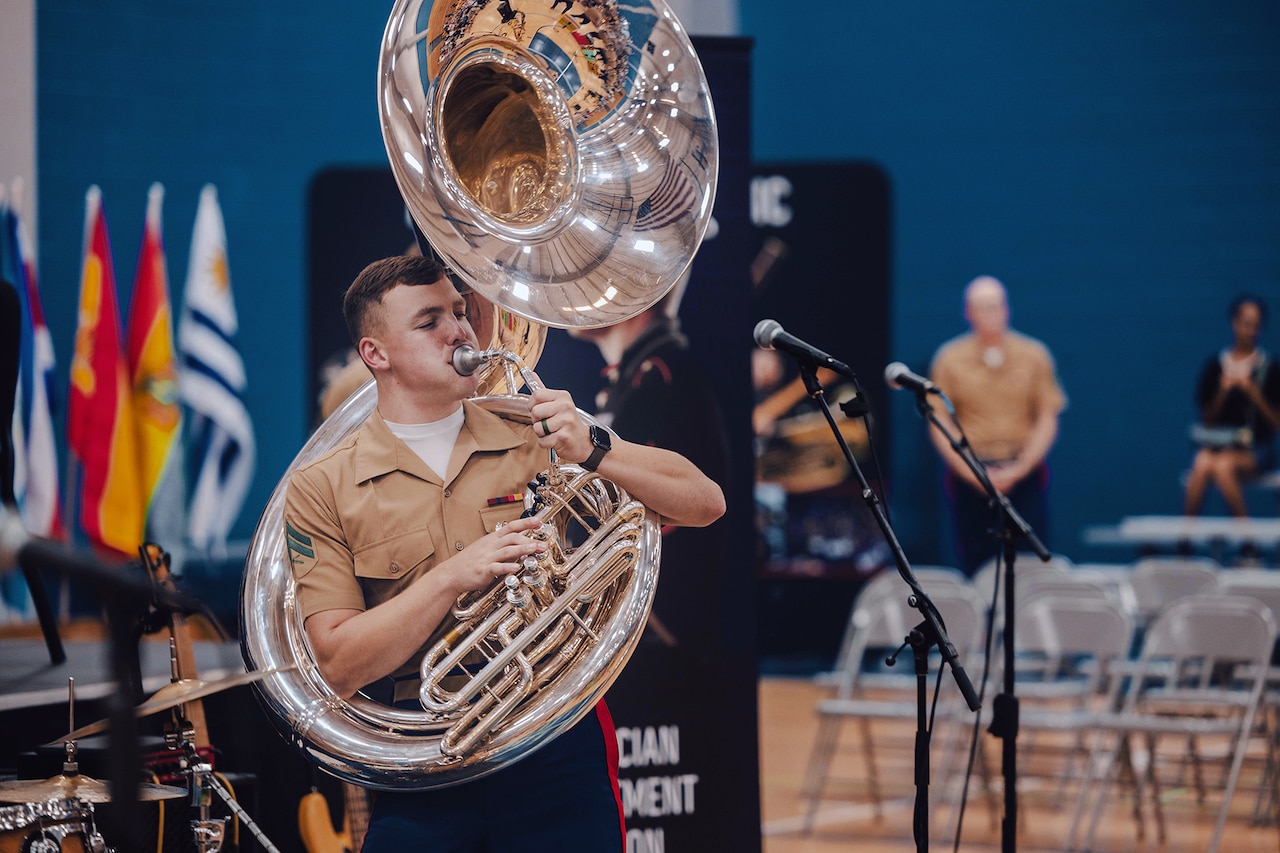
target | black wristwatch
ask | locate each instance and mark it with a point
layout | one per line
(601, 443)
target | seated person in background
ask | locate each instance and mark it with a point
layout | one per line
(1238, 395)
(773, 399)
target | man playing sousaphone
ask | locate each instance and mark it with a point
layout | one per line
(418, 506)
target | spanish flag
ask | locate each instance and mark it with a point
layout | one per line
(154, 383)
(99, 406)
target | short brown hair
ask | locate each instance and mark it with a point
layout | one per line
(379, 277)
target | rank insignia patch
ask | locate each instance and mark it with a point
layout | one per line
(302, 555)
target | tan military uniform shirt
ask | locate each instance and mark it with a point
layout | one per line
(997, 405)
(370, 517)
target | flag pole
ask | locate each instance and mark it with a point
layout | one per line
(73, 521)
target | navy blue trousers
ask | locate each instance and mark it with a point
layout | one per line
(562, 798)
(975, 519)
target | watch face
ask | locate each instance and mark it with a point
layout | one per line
(600, 437)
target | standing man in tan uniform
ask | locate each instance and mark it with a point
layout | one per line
(392, 525)
(1006, 395)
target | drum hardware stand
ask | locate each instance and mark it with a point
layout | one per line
(930, 632)
(1013, 527)
(208, 832)
(49, 840)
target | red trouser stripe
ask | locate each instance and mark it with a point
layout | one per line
(611, 750)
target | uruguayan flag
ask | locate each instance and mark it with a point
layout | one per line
(220, 446)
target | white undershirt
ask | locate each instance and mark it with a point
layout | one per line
(432, 442)
(1240, 367)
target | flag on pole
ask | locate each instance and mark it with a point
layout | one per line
(15, 603)
(12, 344)
(39, 500)
(220, 433)
(154, 375)
(99, 406)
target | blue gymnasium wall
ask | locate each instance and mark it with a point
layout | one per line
(1116, 163)
(253, 97)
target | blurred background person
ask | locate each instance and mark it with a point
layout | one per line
(658, 394)
(1007, 398)
(776, 399)
(1238, 395)
(341, 376)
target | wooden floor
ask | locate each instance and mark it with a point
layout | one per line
(845, 820)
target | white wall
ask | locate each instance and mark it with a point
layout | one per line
(18, 102)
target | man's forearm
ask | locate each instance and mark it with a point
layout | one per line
(665, 482)
(354, 648)
(1037, 445)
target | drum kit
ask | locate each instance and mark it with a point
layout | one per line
(56, 815)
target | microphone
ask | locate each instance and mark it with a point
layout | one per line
(769, 334)
(467, 360)
(898, 375)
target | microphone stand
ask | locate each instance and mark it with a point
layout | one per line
(930, 632)
(1004, 711)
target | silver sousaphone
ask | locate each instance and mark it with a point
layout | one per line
(561, 158)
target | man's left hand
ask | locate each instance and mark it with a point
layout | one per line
(559, 426)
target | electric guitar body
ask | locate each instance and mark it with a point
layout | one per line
(315, 822)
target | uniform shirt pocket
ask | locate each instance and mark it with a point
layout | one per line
(492, 516)
(396, 558)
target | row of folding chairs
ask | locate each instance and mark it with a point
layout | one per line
(880, 623)
(1160, 648)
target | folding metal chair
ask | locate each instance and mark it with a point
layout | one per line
(881, 623)
(1026, 568)
(1157, 582)
(887, 583)
(1263, 585)
(1074, 638)
(1201, 673)
(1087, 583)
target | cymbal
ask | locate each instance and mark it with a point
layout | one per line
(177, 693)
(84, 788)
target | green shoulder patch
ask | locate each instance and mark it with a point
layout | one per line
(302, 554)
